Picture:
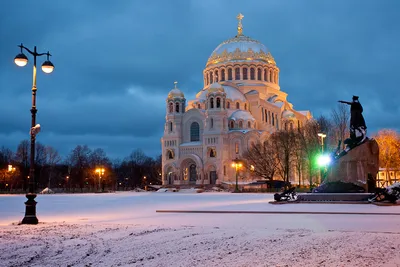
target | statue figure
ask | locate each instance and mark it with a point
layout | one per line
(358, 128)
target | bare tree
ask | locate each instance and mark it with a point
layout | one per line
(389, 149)
(78, 160)
(261, 159)
(340, 122)
(282, 142)
(6, 156)
(299, 155)
(40, 155)
(308, 140)
(53, 158)
(22, 154)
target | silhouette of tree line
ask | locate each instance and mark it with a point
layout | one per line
(77, 171)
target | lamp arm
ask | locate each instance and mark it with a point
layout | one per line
(33, 53)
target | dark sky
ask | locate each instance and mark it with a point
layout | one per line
(117, 60)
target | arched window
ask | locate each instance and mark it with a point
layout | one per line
(198, 106)
(194, 132)
(240, 124)
(248, 124)
(269, 116)
(228, 105)
(266, 116)
(171, 108)
(273, 119)
(211, 77)
(229, 74)
(276, 121)
(298, 124)
(237, 105)
(231, 124)
(271, 77)
(237, 148)
(212, 153)
(212, 123)
(207, 79)
(170, 126)
(224, 170)
(170, 154)
(245, 106)
(265, 75)
(252, 74)
(177, 107)
(218, 102)
(245, 77)
(216, 76)
(222, 75)
(237, 74)
(259, 74)
(211, 102)
(262, 114)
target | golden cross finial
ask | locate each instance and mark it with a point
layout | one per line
(240, 26)
(175, 83)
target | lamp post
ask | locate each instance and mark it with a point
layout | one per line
(145, 182)
(323, 164)
(237, 164)
(322, 135)
(67, 178)
(21, 60)
(100, 171)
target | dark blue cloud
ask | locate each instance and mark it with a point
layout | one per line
(116, 61)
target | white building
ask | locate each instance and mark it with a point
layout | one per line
(241, 102)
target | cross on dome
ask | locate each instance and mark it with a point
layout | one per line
(240, 26)
(175, 84)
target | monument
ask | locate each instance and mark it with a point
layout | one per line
(352, 170)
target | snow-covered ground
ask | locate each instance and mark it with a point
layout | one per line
(124, 229)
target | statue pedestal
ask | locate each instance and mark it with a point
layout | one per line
(354, 167)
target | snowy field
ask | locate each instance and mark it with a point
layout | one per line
(124, 229)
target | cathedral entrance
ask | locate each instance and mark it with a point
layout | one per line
(192, 174)
(213, 177)
(169, 176)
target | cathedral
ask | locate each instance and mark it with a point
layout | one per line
(240, 103)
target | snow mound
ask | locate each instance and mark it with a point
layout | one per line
(47, 191)
(185, 190)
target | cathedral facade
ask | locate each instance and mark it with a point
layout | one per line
(240, 103)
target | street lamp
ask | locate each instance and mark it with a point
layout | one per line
(47, 67)
(145, 182)
(237, 164)
(100, 171)
(322, 135)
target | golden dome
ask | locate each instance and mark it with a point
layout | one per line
(240, 48)
(175, 92)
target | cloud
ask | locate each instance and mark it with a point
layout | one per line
(115, 62)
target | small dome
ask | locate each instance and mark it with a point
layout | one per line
(216, 87)
(241, 115)
(232, 94)
(175, 93)
(287, 114)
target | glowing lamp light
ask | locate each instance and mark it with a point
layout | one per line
(47, 67)
(323, 160)
(21, 60)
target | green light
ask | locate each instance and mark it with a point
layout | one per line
(323, 160)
